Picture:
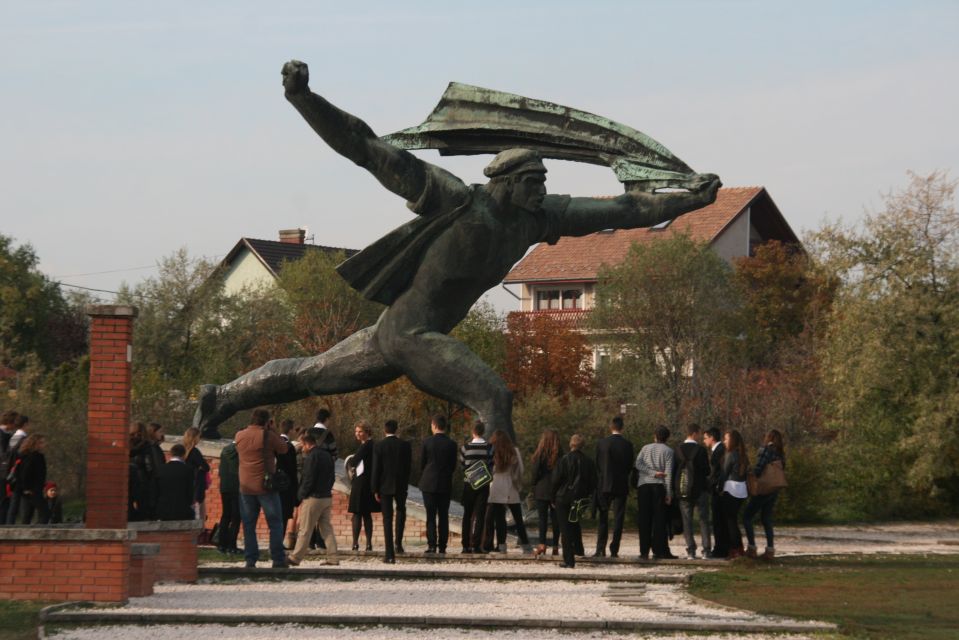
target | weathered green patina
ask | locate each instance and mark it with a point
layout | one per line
(471, 120)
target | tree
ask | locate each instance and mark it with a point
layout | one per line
(35, 318)
(891, 357)
(672, 313)
(544, 354)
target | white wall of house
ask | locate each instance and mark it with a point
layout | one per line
(247, 272)
(733, 242)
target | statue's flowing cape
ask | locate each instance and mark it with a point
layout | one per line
(472, 120)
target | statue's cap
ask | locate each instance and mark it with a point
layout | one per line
(514, 161)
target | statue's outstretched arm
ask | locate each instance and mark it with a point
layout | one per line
(636, 208)
(399, 171)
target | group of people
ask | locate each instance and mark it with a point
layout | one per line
(25, 494)
(704, 476)
(161, 488)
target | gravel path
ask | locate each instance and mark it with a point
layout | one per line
(298, 632)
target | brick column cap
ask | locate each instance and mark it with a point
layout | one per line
(112, 310)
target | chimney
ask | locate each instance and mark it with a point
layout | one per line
(292, 236)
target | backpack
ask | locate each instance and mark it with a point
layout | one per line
(685, 486)
(9, 459)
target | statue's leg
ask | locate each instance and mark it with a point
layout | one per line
(351, 365)
(446, 368)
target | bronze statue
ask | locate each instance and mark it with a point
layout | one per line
(431, 271)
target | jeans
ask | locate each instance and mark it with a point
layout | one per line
(651, 501)
(731, 506)
(437, 509)
(616, 503)
(250, 506)
(547, 512)
(229, 519)
(763, 505)
(686, 508)
(386, 504)
(474, 514)
(571, 535)
(496, 516)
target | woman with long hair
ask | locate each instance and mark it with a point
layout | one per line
(504, 492)
(31, 476)
(544, 461)
(195, 459)
(362, 502)
(732, 482)
(771, 451)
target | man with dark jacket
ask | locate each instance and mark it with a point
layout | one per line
(229, 473)
(316, 501)
(392, 458)
(574, 480)
(690, 474)
(713, 439)
(175, 481)
(437, 462)
(614, 460)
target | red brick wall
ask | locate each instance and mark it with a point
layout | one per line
(65, 570)
(177, 560)
(142, 575)
(108, 417)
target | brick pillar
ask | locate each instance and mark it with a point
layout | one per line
(108, 416)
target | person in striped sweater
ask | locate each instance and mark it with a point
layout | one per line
(474, 500)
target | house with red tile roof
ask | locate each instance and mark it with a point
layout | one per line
(561, 278)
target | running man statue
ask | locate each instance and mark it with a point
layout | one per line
(430, 271)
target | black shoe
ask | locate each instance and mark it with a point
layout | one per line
(431, 550)
(466, 550)
(400, 549)
(613, 555)
(356, 547)
(369, 547)
(442, 550)
(599, 554)
(389, 560)
(668, 556)
(251, 565)
(567, 566)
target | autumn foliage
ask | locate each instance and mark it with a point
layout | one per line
(544, 353)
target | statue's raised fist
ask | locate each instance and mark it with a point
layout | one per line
(296, 76)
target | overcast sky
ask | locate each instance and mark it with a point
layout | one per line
(131, 129)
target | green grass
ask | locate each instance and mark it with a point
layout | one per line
(876, 597)
(18, 619)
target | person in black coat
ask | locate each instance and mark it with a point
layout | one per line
(437, 462)
(362, 503)
(287, 462)
(140, 500)
(573, 480)
(614, 461)
(175, 480)
(690, 477)
(31, 475)
(544, 462)
(713, 441)
(392, 459)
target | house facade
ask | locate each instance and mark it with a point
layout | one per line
(254, 263)
(561, 279)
